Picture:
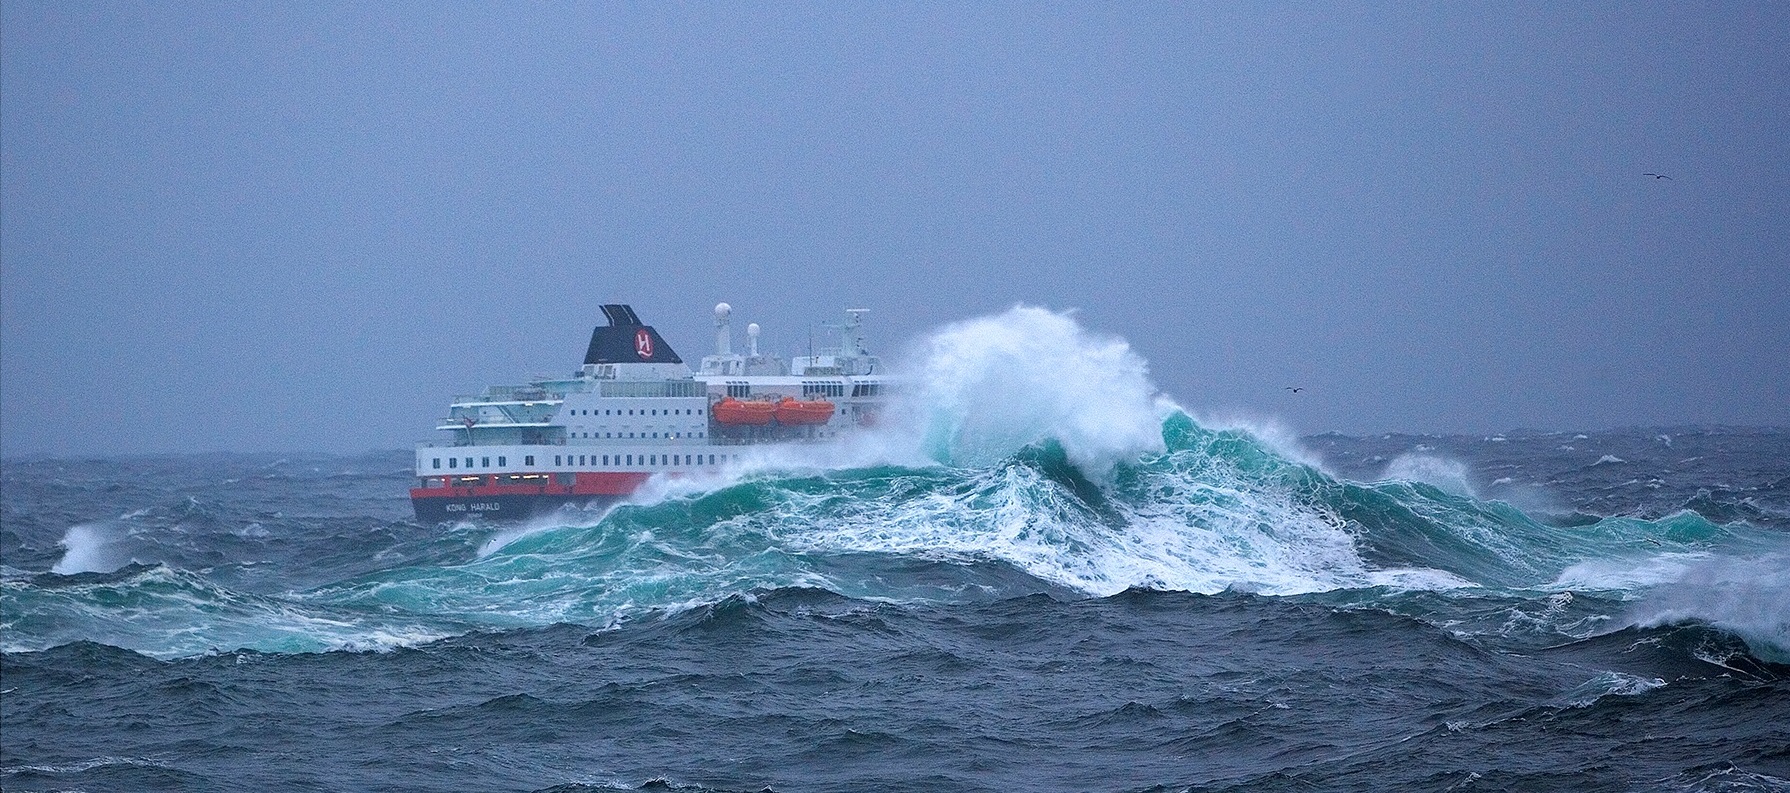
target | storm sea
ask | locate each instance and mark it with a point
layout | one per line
(1062, 596)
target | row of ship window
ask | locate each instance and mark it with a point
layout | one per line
(643, 435)
(645, 459)
(644, 412)
(815, 388)
(586, 459)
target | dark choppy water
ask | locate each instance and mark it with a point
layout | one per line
(1533, 612)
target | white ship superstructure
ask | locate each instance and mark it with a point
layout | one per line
(634, 410)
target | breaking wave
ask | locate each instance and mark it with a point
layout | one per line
(1030, 456)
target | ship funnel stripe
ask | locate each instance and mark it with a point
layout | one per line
(621, 315)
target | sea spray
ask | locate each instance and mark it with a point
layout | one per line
(980, 390)
(88, 551)
(1450, 475)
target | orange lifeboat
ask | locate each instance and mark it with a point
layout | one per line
(741, 411)
(794, 411)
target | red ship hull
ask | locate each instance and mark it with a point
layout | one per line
(480, 497)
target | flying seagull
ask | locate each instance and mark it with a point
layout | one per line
(1657, 175)
(1295, 390)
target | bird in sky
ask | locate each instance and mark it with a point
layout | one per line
(1295, 390)
(1657, 175)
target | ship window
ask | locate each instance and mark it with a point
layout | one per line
(630, 459)
(605, 459)
(528, 460)
(502, 461)
(484, 462)
(437, 462)
(451, 462)
(556, 460)
(469, 462)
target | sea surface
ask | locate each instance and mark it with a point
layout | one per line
(1047, 599)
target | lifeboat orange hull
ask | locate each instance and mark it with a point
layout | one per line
(737, 411)
(791, 411)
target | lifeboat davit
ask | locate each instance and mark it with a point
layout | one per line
(795, 411)
(742, 411)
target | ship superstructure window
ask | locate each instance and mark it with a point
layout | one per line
(484, 462)
(813, 388)
(437, 462)
(502, 462)
(469, 462)
(605, 459)
(866, 389)
(556, 460)
(630, 459)
(528, 459)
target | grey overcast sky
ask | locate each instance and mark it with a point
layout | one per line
(292, 226)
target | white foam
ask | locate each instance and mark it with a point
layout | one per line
(1205, 527)
(1626, 574)
(565, 518)
(1609, 684)
(1749, 596)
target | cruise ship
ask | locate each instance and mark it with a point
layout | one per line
(634, 410)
